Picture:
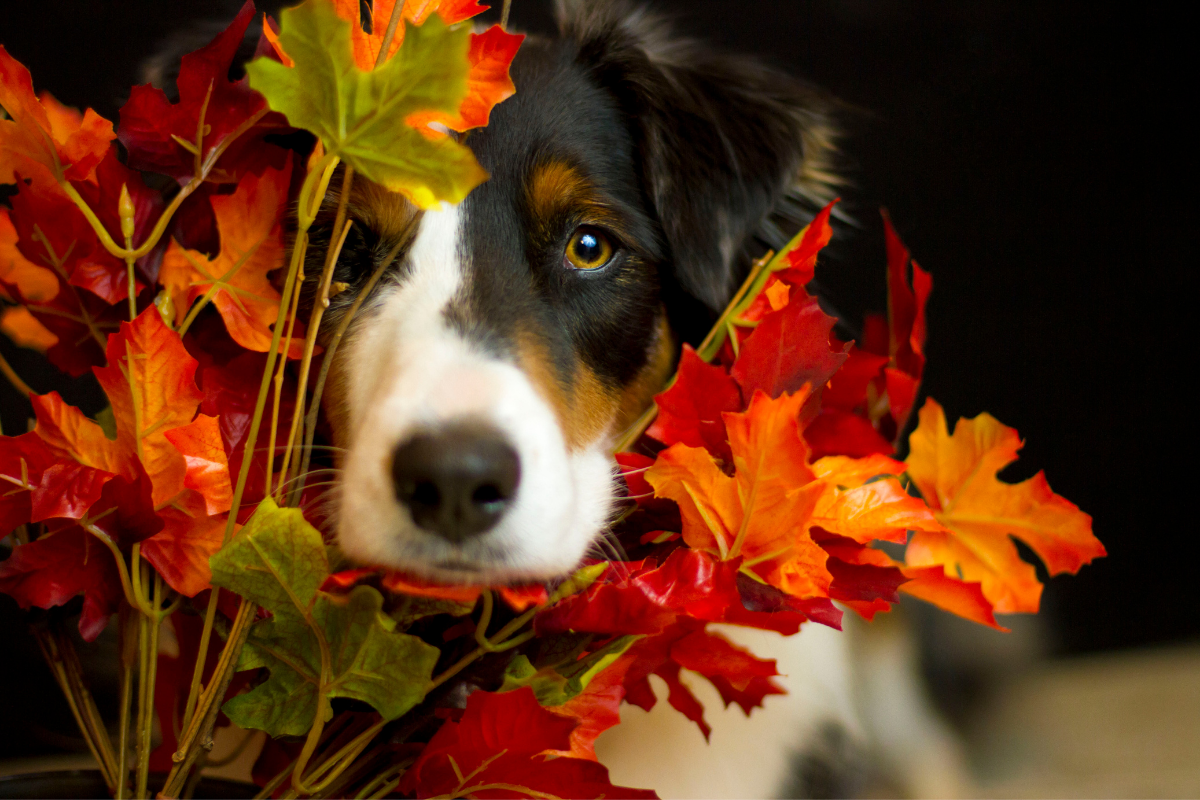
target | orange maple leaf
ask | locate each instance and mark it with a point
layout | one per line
(763, 512)
(490, 55)
(25, 330)
(34, 283)
(366, 43)
(62, 140)
(864, 500)
(250, 222)
(150, 382)
(956, 474)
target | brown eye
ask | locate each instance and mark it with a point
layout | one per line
(589, 249)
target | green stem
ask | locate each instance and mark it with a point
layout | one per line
(150, 655)
(390, 34)
(320, 303)
(165, 218)
(127, 658)
(199, 731)
(331, 348)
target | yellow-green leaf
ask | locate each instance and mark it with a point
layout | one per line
(362, 116)
(278, 561)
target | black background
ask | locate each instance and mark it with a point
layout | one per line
(1025, 152)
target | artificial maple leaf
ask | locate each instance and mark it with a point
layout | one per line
(207, 467)
(761, 513)
(906, 309)
(25, 330)
(646, 598)
(278, 561)
(366, 41)
(361, 116)
(58, 253)
(236, 282)
(518, 598)
(68, 145)
(32, 283)
(844, 433)
(864, 500)
(58, 566)
(788, 349)
(23, 460)
(844, 425)
(496, 750)
(230, 393)
(739, 676)
(150, 382)
(956, 474)
(181, 461)
(102, 273)
(488, 82)
(189, 538)
(597, 708)
(160, 136)
(689, 411)
(53, 232)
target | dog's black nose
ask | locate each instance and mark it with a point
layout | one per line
(457, 481)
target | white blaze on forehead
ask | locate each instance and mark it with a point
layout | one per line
(408, 370)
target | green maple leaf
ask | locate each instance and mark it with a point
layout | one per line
(278, 561)
(361, 116)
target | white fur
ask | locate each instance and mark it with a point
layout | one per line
(408, 371)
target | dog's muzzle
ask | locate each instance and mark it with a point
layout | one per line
(457, 481)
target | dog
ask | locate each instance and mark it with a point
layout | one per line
(478, 392)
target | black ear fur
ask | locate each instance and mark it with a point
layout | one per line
(732, 150)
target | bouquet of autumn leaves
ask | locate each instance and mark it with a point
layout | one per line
(758, 485)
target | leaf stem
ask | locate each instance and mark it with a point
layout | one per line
(15, 379)
(148, 648)
(320, 303)
(165, 218)
(331, 349)
(198, 732)
(496, 643)
(59, 653)
(127, 656)
(390, 34)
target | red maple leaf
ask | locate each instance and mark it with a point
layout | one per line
(788, 349)
(235, 280)
(689, 411)
(497, 749)
(57, 567)
(160, 136)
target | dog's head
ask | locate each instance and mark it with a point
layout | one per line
(479, 390)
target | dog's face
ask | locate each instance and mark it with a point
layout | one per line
(479, 390)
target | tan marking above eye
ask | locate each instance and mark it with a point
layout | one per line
(589, 248)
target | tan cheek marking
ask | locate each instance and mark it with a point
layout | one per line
(585, 410)
(639, 394)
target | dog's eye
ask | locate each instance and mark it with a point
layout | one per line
(589, 249)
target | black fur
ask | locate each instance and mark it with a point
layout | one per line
(726, 145)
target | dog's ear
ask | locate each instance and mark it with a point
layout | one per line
(731, 150)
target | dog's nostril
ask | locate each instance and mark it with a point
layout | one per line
(456, 481)
(487, 494)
